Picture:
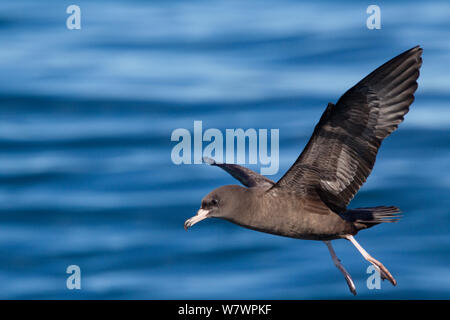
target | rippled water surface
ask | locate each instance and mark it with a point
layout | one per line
(86, 116)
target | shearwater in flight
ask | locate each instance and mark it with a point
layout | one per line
(310, 201)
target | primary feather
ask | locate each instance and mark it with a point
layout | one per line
(341, 152)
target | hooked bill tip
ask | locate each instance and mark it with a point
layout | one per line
(201, 215)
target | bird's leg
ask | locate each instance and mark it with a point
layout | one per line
(384, 272)
(339, 265)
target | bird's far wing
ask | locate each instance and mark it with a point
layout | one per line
(247, 177)
(341, 152)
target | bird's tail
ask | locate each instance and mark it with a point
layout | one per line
(368, 217)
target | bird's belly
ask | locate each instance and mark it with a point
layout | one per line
(307, 226)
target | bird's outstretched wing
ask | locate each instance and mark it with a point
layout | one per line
(247, 177)
(341, 152)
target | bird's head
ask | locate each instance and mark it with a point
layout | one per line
(219, 203)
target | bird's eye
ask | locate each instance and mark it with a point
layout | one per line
(214, 202)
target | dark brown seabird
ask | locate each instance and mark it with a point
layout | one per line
(310, 201)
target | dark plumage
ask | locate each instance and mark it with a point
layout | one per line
(310, 201)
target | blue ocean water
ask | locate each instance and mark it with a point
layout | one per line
(86, 116)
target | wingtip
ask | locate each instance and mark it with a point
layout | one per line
(416, 50)
(209, 161)
(413, 52)
(416, 47)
